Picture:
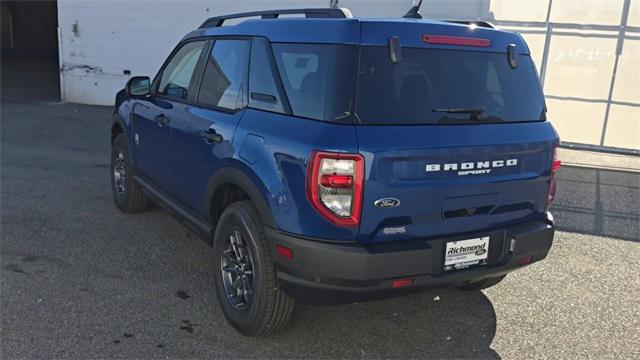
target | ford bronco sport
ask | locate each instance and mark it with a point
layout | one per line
(333, 159)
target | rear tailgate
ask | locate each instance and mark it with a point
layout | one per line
(480, 177)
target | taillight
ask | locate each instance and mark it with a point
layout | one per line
(334, 186)
(400, 283)
(555, 166)
(456, 40)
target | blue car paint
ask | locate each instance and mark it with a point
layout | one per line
(281, 164)
(155, 139)
(396, 168)
(273, 149)
(195, 159)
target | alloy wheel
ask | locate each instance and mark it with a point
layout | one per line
(119, 173)
(236, 266)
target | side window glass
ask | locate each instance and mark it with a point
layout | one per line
(262, 81)
(177, 75)
(318, 79)
(224, 80)
(304, 76)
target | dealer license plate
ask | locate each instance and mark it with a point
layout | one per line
(464, 253)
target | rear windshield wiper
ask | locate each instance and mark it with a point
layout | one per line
(476, 111)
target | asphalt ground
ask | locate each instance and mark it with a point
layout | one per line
(79, 279)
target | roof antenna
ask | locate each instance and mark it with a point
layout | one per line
(414, 12)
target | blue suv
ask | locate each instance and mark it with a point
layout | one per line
(332, 159)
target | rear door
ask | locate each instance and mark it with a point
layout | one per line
(202, 132)
(454, 142)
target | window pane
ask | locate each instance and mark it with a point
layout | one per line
(262, 86)
(177, 75)
(601, 12)
(427, 83)
(223, 83)
(522, 10)
(634, 14)
(580, 66)
(628, 75)
(623, 127)
(318, 79)
(577, 121)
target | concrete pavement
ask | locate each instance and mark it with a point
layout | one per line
(79, 279)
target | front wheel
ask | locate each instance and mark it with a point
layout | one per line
(127, 194)
(246, 283)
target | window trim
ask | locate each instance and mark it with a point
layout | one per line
(211, 42)
(190, 90)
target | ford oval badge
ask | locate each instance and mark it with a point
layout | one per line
(386, 203)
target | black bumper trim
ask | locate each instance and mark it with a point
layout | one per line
(335, 273)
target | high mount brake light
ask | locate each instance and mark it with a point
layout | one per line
(456, 40)
(555, 166)
(335, 186)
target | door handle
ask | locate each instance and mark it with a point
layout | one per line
(162, 119)
(211, 135)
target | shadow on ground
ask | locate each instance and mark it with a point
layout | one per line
(598, 202)
(457, 325)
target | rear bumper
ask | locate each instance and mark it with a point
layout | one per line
(330, 273)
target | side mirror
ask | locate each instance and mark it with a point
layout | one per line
(395, 52)
(138, 86)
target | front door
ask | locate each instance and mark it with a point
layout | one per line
(151, 117)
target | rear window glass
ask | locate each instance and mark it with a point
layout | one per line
(432, 86)
(318, 79)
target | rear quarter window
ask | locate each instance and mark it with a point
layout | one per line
(318, 79)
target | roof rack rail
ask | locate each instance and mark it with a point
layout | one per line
(335, 13)
(484, 24)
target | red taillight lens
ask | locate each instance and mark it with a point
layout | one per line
(334, 186)
(337, 181)
(555, 166)
(400, 283)
(455, 40)
(524, 260)
(284, 251)
(556, 163)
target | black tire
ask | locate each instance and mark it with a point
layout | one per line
(266, 308)
(127, 194)
(482, 284)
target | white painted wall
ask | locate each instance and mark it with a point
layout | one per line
(137, 35)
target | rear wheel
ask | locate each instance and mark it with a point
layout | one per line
(482, 284)
(246, 283)
(127, 194)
